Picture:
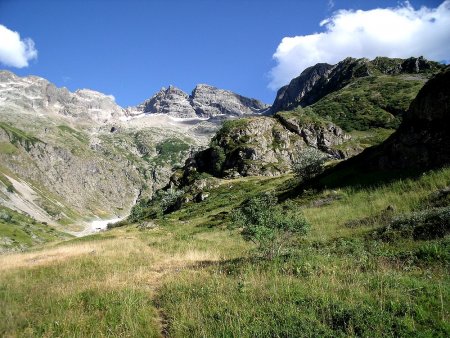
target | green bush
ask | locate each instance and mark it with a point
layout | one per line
(267, 224)
(423, 225)
(309, 164)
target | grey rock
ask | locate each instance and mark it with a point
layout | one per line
(204, 102)
(210, 101)
(323, 136)
(36, 95)
(171, 101)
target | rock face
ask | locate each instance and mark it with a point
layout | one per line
(318, 81)
(262, 146)
(290, 96)
(209, 101)
(33, 94)
(171, 101)
(320, 134)
(205, 102)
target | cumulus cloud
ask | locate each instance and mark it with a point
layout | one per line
(394, 32)
(14, 51)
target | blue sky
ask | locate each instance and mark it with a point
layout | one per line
(131, 49)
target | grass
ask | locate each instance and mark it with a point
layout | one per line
(370, 102)
(17, 136)
(191, 277)
(19, 232)
(83, 138)
(8, 148)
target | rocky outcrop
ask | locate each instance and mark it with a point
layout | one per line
(261, 146)
(171, 101)
(204, 102)
(320, 134)
(316, 82)
(256, 146)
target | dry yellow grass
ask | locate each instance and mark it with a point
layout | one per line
(44, 257)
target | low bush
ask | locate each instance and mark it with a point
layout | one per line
(267, 224)
(309, 164)
(423, 225)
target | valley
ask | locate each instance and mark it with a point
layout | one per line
(214, 215)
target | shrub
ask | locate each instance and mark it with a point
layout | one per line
(309, 164)
(10, 188)
(423, 225)
(4, 216)
(267, 224)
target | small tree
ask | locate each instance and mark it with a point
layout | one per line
(267, 224)
(309, 164)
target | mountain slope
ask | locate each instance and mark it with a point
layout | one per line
(70, 157)
(358, 93)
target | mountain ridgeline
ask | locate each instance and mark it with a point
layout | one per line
(205, 102)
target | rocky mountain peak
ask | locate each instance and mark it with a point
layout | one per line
(205, 101)
(210, 101)
(289, 95)
(35, 94)
(171, 101)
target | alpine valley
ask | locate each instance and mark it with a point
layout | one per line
(211, 214)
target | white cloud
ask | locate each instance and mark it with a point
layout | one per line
(394, 32)
(14, 51)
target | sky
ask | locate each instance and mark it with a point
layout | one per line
(130, 49)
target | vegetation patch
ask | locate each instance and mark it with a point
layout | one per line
(19, 137)
(19, 232)
(370, 102)
(83, 138)
(422, 225)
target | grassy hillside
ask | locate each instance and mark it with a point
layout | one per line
(360, 270)
(19, 232)
(370, 102)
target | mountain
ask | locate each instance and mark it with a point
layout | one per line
(269, 146)
(68, 157)
(36, 95)
(358, 94)
(205, 102)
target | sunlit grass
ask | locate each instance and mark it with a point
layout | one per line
(192, 277)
